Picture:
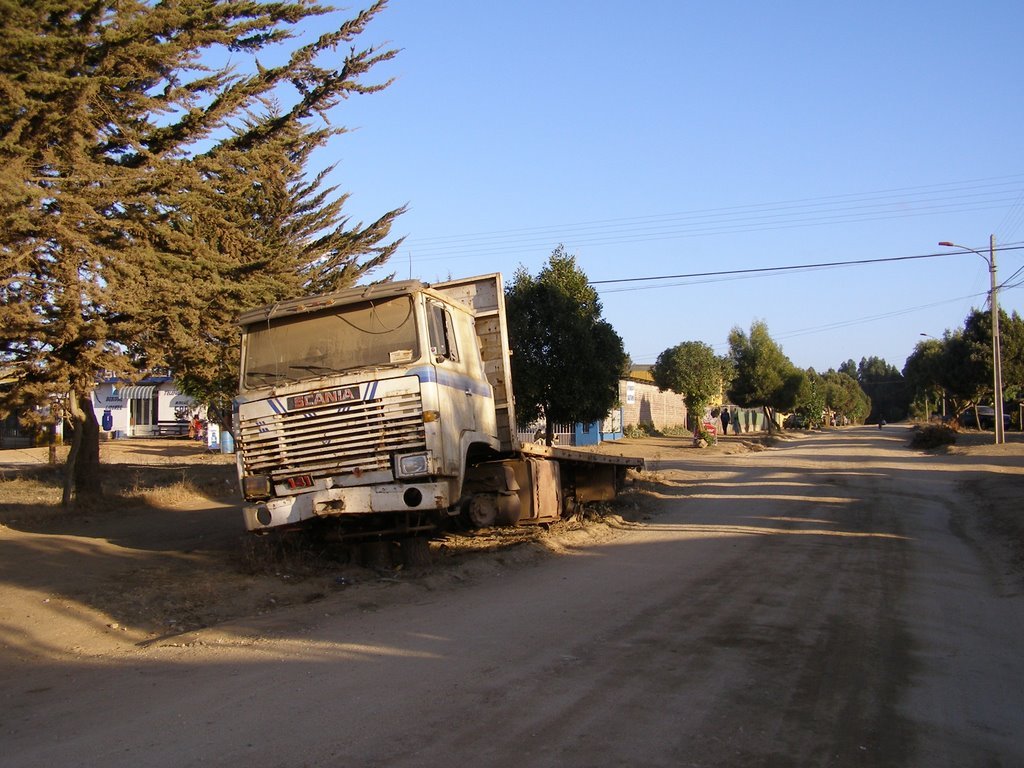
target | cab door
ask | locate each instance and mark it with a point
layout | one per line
(456, 388)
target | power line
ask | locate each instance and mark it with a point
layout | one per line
(873, 318)
(505, 246)
(747, 273)
(870, 198)
(1006, 280)
(974, 195)
(1013, 219)
(789, 268)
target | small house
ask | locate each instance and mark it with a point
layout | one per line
(153, 407)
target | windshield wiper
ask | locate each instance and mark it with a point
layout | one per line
(268, 375)
(314, 368)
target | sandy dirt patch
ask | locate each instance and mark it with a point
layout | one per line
(833, 599)
(167, 555)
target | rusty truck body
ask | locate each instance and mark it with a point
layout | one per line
(389, 409)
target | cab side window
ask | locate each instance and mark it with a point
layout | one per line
(442, 333)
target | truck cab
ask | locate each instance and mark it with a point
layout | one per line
(370, 401)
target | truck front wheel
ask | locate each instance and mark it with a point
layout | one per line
(484, 510)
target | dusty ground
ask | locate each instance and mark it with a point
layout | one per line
(168, 552)
(831, 599)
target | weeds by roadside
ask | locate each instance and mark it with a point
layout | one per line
(34, 492)
(932, 436)
(295, 554)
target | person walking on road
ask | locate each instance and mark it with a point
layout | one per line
(725, 421)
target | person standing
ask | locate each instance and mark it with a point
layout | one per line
(725, 421)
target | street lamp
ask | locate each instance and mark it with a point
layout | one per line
(997, 364)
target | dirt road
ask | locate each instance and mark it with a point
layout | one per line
(838, 600)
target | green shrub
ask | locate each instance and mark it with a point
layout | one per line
(678, 430)
(933, 436)
(639, 431)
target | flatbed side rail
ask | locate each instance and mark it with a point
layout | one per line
(580, 455)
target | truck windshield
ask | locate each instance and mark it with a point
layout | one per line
(366, 335)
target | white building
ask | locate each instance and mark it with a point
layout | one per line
(151, 408)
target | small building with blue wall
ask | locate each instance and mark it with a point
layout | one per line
(153, 407)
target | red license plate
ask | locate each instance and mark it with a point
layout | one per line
(302, 481)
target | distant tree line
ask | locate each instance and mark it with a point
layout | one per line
(757, 374)
(956, 370)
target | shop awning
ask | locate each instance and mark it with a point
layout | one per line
(136, 392)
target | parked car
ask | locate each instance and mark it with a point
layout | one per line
(986, 418)
(795, 421)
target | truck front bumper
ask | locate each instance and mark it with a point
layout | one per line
(357, 500)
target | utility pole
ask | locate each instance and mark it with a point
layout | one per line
(997, 355)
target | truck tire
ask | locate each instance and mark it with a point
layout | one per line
(482, 510)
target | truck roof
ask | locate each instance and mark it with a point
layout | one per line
(306, 304)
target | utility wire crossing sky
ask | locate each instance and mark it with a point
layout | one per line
(714, 144)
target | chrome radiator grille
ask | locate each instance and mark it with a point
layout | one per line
(332, 440)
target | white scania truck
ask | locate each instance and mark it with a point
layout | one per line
(389, 408)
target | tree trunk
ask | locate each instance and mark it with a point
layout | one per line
(549, 431)
(82, 472)
(769, 418)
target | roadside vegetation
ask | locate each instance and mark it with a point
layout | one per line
(932, 436)
(34, 492)
(566, 358)
(155, 181)
(944, 378)
(756, 373)
(953, 374)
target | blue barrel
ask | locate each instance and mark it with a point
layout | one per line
(227, 442)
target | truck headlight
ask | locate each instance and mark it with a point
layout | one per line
(412, 465)
(256, 487)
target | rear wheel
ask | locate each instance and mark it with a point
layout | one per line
(509, 509)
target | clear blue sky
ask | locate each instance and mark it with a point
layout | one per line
(671, 138)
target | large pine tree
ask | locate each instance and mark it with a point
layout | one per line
(147, 197)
